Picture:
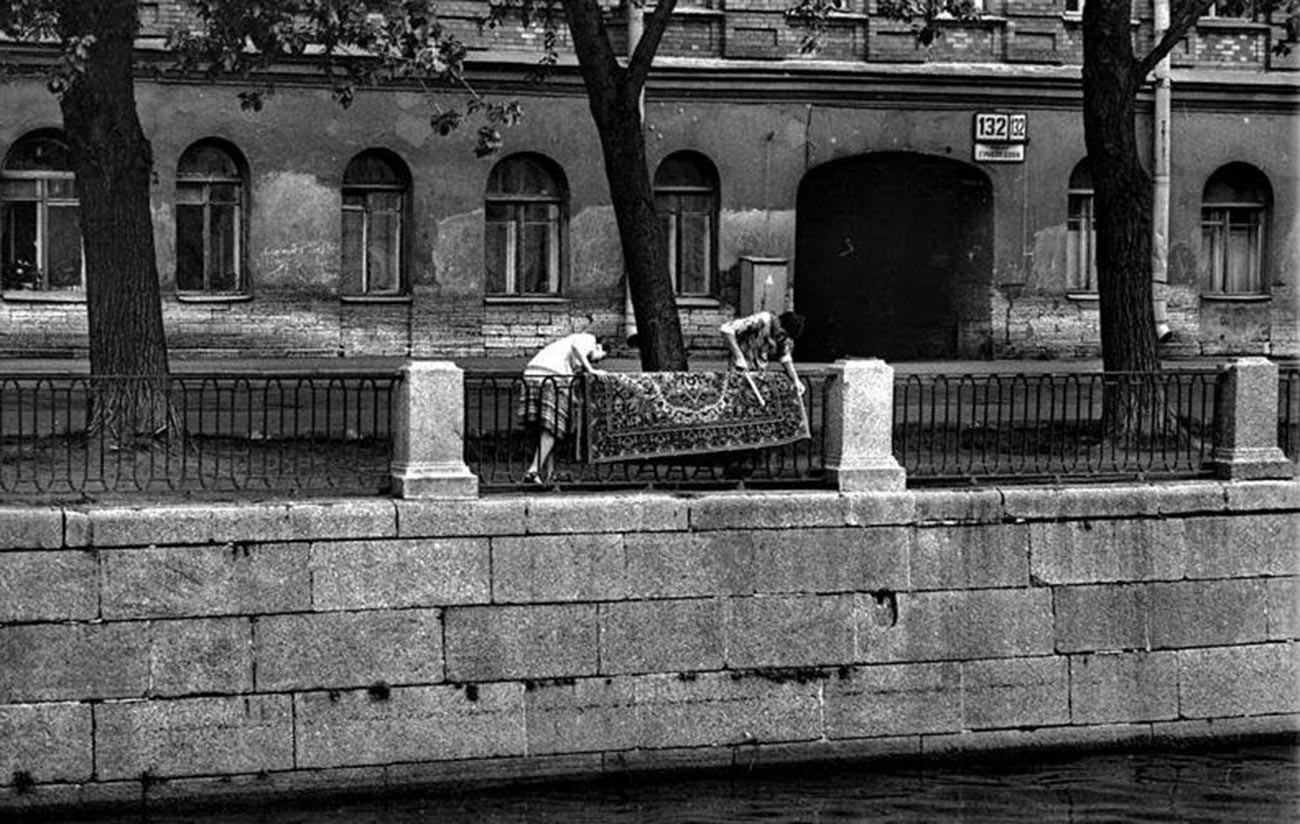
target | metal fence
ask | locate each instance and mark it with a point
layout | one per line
(499, 448)
(291, 434)
(1049, 426)
(207, 433)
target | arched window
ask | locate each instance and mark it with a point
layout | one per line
(1234, 212)
(40, 225)
(210, 220)
(1081, 232)
(686, 195)
(376, 187)
(527, 199)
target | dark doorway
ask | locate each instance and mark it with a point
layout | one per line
(886, 245)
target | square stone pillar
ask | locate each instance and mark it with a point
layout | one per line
(1245, 433)
(429, 433)
(859, 427)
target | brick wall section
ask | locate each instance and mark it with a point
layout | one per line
(200, 651)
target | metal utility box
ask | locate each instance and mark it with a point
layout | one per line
(763, 282)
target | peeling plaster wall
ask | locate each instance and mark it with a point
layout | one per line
(297, 147)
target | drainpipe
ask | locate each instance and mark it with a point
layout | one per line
(1160, 194)
(635, 12)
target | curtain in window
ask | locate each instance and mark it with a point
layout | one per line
(1081, 244)
(375, 190)
(209, 222)
(1230, 246)
(524, 227)
(686, 197)
(1234, 211)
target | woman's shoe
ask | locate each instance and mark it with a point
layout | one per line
(532, 479)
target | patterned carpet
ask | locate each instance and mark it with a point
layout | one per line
(669, 414)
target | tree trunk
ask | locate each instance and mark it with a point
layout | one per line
(1122, 189)
(616, 108)
(113, 163)
(641, 235)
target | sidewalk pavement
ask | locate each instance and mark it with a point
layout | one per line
(372, 365)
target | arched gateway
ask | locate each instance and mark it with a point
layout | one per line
(890, 246)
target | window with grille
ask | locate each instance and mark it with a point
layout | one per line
(40, 224)
(1081, 232)
(1234, 212)
(686, 195)
(210, 221)
(526, 205)
(376, 190)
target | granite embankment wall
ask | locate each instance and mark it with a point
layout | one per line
(194, 652)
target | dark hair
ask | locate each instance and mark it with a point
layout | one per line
(792, 324)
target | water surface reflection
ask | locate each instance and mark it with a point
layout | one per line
(1257, 783)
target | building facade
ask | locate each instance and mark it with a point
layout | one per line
(912, 202)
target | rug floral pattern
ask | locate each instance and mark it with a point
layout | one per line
(651, 415)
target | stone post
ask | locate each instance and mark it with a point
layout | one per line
(859, 427)
(429, 433)
(1245, 434)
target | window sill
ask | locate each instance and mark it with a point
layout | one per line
(40, 296)
(374, 298)
(1082, 297)
(1222, 297)
(524, 300)
(1236, 23)
(697, 302)
(199, 298)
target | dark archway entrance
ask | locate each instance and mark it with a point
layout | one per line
(886, 245)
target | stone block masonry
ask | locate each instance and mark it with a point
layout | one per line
(153, 655)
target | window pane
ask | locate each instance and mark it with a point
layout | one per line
(385, 234)
(499, 243)
(370, 167)
(223, 268)
(224, 193)
(385, 201)
(1212, 250)
(700, 204)
(536, 254)
(18, 190)
(696, 244)
(61, 188)
(353, 223)
(1241, 263)
(20, 235)
(670, 235)
(189, 248)
(63, 262)
(538, 212)
(189, 194)
(207, 161)
(354, 200)
(39, 152)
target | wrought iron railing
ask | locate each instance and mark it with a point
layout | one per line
(202, 433)
(499, 447)
(1050, 426)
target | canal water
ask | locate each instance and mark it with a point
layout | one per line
(1252, 784)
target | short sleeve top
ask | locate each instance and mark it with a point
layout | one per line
(563, 356)
(760, 339)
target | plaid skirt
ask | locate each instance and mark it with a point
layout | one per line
(545, 404)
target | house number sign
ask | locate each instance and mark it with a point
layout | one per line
(1000, 137)
(1001, 127)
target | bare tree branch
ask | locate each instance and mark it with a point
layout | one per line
(638, 68)
(592, 45)
(1182, 16)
